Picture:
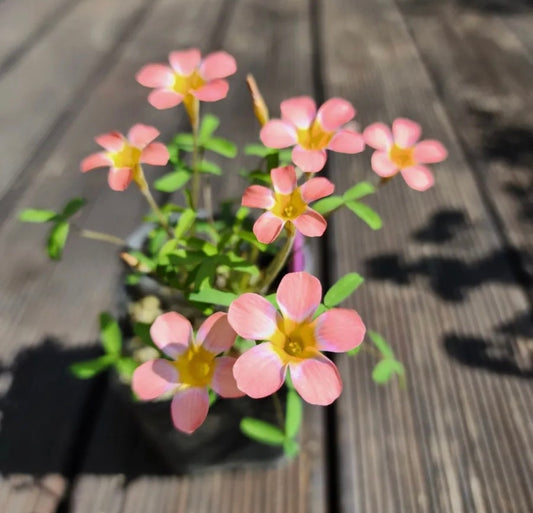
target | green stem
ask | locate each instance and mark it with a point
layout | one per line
(193, 110)
(279, 260)
(279, 411)
(105, 237)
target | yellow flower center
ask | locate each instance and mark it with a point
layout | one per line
(402, 157)
(314, 137)
(196, 367)
(294, 341)
(128, 156)
(289, 206)
(183, 84)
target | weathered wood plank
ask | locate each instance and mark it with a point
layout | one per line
(458, 438)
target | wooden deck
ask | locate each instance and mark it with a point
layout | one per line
(449, 279)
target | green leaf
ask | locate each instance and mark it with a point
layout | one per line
(243, 344)
(327, 205)
(213, 296)
(221, 146)
(36, 215)
(209, 167)
(320, 310)
(204, 274)
(90, 368)
(258, 150)
(184, 141)
(126, 366)
(185, 222)
(110, 334)
(291, 448)
(208, 126)
(172, 182)
(212, 397)
(271, 298)
(366, 214)
(285, 156)
(355, 350)
(256, 175)
(359, 190)
(57, 239)
(142, 330)
(72, 207)
(381, 344)
(343, 288)
(262, 431)
(157, 238)
(293, 414)
(386, 369)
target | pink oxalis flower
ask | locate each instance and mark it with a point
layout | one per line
(188, 76)
(124, 155)
(287, 203)
(293, 340)
(194, 367)
(311, 132)
(398, 151)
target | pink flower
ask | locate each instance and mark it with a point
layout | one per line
(188, 75)
(287, 203)
(294, 340)
(312, 132)
(398, 151)
(195, 366)
(124, 155)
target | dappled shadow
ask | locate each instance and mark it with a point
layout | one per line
(497, 6)
(442, 226)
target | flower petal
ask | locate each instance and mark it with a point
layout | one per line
(155, 154)
(309, 161)
(268, 227)
(311, 223)
(224, 383)
(258, 196)
(299, 295)
(218, 65)
(95, 160)
(278, 134)
(347, 141)
(284, 179)
(119, 178)
(419, 178)
(339, 330)
(382, 164)
(299, 111)
(172, 333)
(215, 334)
(317, 380)
(253, 317)
(154, 378)
(164, 99)
(213, 91)
(185, 61)
(141, 135)
(113, 141)
(378, 136)
(405, 132)
(430, 152)
(259, 372)
(316, 188)
(334, 113)
(189, 409)
(155, 75)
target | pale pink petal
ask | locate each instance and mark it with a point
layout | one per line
(113, 141)
(258, 196)
(95, 160)
(347, 141)
(224, 383)
(284, 179)
(382, 164)
(218, 65)
(155, 75)
(212, 91)
(259, 372)
(317, 380)
(316, 188)
(189, 409)
(309, 161)
(253, 317)
(119, 178)
(172, 333)
(430, 152)
(278, 134)
(155, 154)
(378, 136)
(185, 61)
(339, 330)
(299, 111)
(405, 132)
(141, 135)
(299, 295)
(310, 223)
(419, 178)
(153, 379)
(215, 334)
(334, 113)
(268, 227)
(164, 99)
